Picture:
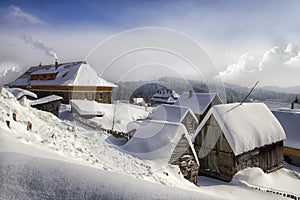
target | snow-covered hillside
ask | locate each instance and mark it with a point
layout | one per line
(59, 159)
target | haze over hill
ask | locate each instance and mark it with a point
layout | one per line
(228, 92)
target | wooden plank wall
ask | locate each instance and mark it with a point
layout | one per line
(221, 163)
(184, 158)
(190, 123)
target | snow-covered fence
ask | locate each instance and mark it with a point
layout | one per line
(117, 134)
(274, 191)
(97, 126)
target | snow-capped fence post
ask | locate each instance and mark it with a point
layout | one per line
(114, 115)
(29, 126)
(8, 123)
(15, 116)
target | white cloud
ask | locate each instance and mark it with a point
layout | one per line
(278, 66)
(15, 16)
(8, 72)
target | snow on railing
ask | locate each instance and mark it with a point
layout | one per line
(97, 126)
(274, 191)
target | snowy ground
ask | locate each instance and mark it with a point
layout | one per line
(61, 159)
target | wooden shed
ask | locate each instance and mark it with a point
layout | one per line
(175, 113)
(199, 103)
(233, 137)
(290, 121)
(163, 143)
(50, 104)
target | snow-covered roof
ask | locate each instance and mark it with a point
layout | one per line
(170, 113)
(116, 116)
(18, 92)
(156, 140)
(45, 71)
(198, 102)
(69, 74)
(46, 99)
(245, 126)
(165, 96)
(290, 122)
(86, 107)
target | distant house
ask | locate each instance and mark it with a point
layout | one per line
(138, 101)
(74, 80)
(178, 114)
(200, 103)
(233, 137)
(164, 143)
(165, 96)
(50, 104)
(290, 122)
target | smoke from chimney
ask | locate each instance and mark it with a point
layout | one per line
(38, 45)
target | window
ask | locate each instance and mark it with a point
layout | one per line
(100, 97)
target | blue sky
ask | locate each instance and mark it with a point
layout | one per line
(218, 17)
(225, 28)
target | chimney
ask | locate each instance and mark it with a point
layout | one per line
(56, 64)
(190, 93)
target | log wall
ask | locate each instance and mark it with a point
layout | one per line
(184, 158)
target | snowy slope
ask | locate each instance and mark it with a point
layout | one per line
(61, 160)
(50, 133)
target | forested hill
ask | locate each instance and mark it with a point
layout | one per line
(229, 92)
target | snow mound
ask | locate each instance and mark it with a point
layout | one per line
(29, 177)
(5, 93)
(86, 107)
